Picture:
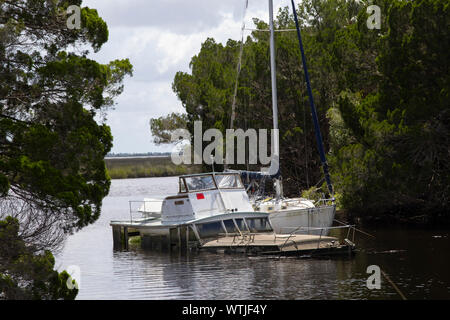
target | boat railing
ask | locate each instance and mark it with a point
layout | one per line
(239, 237)
(301, 229)
(320, 202)
(324, 201)
(296, 230)
(144, 209)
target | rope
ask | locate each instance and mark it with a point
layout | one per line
(367, 234)
(238, 69)
(393, 285)
(268, 30)
(396, 288)
(238, 72)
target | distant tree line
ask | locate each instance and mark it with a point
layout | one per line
(382, 97)
(147, 154)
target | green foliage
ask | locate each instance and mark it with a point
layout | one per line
(390, 148)
(25, 275)
(207, 92)
(52, 148)
(382, 99)
(312, 193)
(162, 127)
(52, 171)
(135, 241)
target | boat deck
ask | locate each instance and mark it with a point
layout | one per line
(299, 244)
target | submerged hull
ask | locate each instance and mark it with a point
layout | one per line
(154, 230)
(287, 221)
(156, 227)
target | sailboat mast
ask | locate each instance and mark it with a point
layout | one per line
(273, 67)
(273, 70)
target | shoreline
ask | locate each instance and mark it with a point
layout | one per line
(146, 167)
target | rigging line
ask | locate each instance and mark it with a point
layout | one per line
(238, 71)
(393, 285)
(268, 30)
(363, 232)
(238, 68)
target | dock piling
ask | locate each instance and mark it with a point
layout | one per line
(120, 237)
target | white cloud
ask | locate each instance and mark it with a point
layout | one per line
(160, 38)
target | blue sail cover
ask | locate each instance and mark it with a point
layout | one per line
(313, 108)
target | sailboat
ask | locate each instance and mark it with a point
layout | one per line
(288, 215)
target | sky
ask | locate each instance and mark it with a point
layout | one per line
(160, 37)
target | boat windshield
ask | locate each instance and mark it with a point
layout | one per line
(182, 186)
(197, 183)
(228, 181)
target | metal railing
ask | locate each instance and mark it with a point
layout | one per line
(324, 201)
(143, 207)
(317, 203)
(298, 229)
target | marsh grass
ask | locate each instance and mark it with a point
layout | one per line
(124, 168)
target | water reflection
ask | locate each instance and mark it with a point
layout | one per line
(218, 276)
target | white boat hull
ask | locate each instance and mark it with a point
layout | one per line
(286, 221)
(154, 231)
(155, 227)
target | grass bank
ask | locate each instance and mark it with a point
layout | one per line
(140, 167)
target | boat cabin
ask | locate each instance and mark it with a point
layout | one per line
(205, 195)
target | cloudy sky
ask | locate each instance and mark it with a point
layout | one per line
(160, 37)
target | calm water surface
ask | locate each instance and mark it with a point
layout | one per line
(416, 260)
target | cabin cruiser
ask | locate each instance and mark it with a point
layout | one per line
(207, 205)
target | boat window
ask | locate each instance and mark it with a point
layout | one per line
(228, 181)
(241, 225)
(210, 229)
(200, 183)
(182, 186)
(231, 228)
(258, 224)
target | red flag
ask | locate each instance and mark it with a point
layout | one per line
(200, 196)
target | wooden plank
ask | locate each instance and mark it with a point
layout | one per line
(117, 237)
(125, 237)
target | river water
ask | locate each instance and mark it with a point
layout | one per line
(417, 261)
